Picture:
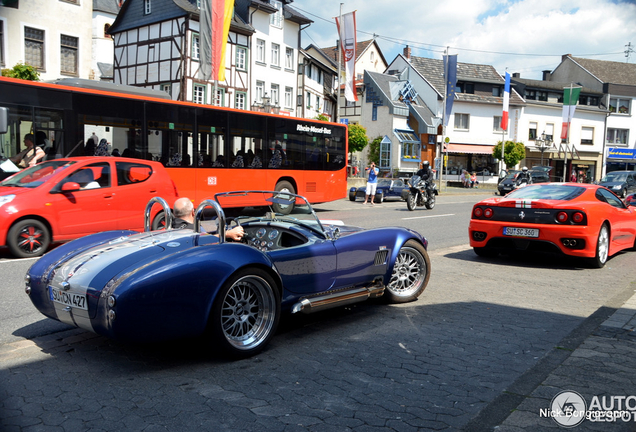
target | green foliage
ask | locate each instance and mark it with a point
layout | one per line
(374, 150)
(22, 71)
(357, 137)
(321, 117)
(513, 152)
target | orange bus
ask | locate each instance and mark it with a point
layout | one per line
(206, 149)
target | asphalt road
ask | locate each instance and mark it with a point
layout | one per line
(433, 364)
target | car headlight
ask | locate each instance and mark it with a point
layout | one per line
(613, 187)
(6, 199)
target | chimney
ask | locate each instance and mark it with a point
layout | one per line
(546, 75)
(516, 75)
(564, 56)
(407, 52)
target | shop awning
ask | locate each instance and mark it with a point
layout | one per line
(469, 148)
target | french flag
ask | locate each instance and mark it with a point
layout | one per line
(506, 101)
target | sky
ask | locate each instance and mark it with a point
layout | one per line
(523, 36)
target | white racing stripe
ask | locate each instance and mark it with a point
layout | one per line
(431, 216)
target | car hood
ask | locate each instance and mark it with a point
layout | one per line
(94, 267)
(610, 184)
(12, 190)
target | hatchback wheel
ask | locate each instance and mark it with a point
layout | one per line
(28, 238)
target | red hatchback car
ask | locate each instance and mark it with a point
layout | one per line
(63, 199)
(580, 220)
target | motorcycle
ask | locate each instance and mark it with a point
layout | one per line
(420, 193)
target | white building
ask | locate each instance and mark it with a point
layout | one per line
(104, 14)
(53, 36)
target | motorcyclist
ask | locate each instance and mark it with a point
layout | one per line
(425, 172)
(524, 177)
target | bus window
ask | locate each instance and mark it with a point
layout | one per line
(172, 130)
(247, 134)
(212, 125)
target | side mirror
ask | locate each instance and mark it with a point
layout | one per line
(4, 120)
(630, 200)
(70, 187)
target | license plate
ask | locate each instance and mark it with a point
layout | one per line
(68, 299)
(521, 232)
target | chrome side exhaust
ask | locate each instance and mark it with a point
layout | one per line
(334, 299)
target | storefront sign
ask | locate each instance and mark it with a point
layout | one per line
(621, 153)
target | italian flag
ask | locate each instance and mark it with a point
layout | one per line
(570, 98)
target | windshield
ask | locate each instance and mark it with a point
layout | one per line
(37, 175)
(614, 177)
(259, 206)
(511, 175)
(384, 182)
(547, 192)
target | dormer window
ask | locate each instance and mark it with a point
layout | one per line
(464, 87)
(276, 19)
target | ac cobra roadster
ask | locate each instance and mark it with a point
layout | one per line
(177, 283)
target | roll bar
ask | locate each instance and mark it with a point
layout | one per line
(166, 210)
(219, 213)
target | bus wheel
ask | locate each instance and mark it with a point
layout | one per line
(284, 186)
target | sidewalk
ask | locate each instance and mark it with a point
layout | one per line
(601, 371)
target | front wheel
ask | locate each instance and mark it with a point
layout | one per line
(411, 201)
(245, 313)
(352, 195)
(430, 203)
(411, 272)
(159, 222)
(379, 197)
(602, 248)
(624, 193)
(28, 238)
(284, 186)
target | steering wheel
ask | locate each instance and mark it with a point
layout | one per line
(233, 223)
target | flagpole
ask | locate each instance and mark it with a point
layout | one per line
(567, 140)
(443, 167)
(339, 49)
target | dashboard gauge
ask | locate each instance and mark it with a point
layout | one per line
(270, 244)
(273, 234)
(261, 232)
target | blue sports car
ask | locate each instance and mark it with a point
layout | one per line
(177, 283)
(386, 189)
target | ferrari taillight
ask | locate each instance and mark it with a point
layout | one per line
(478, 212)
(488, 213)
(562, 217)
(578, 217)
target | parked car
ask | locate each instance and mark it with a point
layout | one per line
(509, 183)
(620, 182)
(63, 199)
(386, 189)
(183, 283)
(576, 219)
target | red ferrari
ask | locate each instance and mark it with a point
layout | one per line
(580, 220)
(64, 199)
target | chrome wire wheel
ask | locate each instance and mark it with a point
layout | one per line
(411, 272)
(249, 313)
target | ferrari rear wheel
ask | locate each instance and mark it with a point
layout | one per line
(411, 272)
(246, 313)
(28, 238)
(602, 247)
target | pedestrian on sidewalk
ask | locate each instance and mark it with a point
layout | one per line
(372, 183)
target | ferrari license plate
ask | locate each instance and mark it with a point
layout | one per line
(521, 232)
(68, 299)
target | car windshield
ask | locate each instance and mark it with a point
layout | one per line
(384, 182)
(259, 206)
(547, 192)
(511, 175)
(614, 177)
(37, 175)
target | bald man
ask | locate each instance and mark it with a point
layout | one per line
(184, 218)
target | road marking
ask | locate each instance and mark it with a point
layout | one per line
(431, 216)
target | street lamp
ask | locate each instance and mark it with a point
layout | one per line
(542, 144)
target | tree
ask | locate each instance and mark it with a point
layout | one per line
(357, 138)
(322, 117)
(513, 152)
(374, 150)
(22, 71)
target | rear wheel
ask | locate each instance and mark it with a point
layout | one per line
(245, 313)
(379, 197)
(411, 201)
(430, 203)
(602, 247)
(28, 238)
(284, 186)
(411, 272)
(352, 195)
(159, 222)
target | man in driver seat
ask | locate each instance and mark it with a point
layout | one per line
(184, 218)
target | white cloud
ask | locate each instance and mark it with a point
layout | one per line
(492, 32)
